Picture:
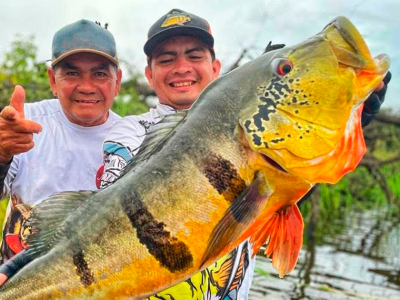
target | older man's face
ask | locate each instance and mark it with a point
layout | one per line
(180, 69)
(85, 84)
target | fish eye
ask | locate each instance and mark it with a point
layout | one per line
(282, 66)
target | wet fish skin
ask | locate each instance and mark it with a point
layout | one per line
(222, 175)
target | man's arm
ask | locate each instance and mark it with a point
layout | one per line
(16, 133)
(13, 265)
(16, 136)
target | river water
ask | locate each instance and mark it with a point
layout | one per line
(361, 262)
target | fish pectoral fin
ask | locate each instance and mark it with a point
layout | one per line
(285, 232)
(237, 219)
(46, 220)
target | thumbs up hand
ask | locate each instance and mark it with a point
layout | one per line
(16, 133)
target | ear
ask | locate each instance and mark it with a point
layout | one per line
(149, 75)
(118, 83)
(52, 80)
(216, 66)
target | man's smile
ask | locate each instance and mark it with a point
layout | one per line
(180, 84)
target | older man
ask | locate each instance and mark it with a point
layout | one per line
(55, 145)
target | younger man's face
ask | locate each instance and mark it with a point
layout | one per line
(180, 69)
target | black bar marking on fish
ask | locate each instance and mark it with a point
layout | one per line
(166, 249)
(223, 177)
(82, 268)
(277, 90)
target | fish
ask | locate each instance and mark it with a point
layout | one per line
(230, 169)
(176, 18)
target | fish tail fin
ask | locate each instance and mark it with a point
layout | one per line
(284, 233)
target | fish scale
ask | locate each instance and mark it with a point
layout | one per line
(231, 168)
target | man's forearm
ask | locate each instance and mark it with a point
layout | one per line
(16, 263)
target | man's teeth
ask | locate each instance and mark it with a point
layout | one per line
(179, 84)
(87, 101)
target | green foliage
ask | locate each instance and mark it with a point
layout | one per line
(128, 101)
(20, 66)
(3, 207)
(262, 272)
(369, 187)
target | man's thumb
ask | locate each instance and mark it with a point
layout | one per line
(18, 99)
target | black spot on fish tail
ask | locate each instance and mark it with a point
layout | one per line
(223, 176)
(166, 249)
(82, 268)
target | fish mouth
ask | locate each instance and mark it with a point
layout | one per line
(266, 159)
(352, 51)
(272, 162)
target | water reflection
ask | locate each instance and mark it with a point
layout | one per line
(361, 260)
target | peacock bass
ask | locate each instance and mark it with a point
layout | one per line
(229, 169)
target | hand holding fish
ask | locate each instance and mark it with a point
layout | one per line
(16, 133)
(373, 103)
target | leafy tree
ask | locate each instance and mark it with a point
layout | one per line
(20, 66)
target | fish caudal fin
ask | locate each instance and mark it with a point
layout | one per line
(284, 232)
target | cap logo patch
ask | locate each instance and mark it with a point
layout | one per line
(175, 18)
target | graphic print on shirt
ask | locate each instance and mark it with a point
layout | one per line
(220, 281)
(117, 155)
(15, 231)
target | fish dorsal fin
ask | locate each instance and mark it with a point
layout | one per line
(47, 218)
(155, 139)
(238, 217)
(284, 232)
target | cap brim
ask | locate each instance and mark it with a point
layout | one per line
(61, 57)
(160, 37)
